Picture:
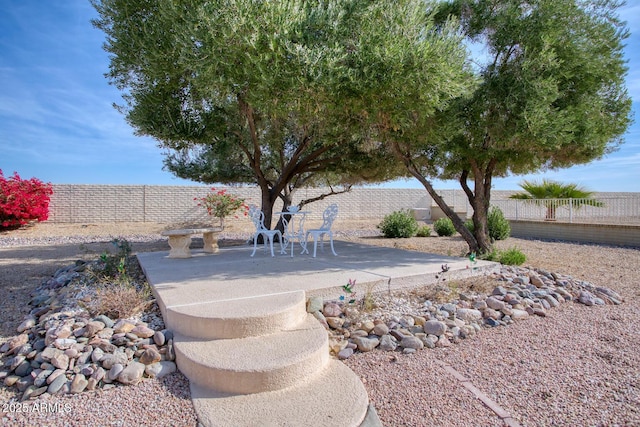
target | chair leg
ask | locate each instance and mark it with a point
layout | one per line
(270, 238)
(281, 238)
(331, 241)
(315, 244)
(255, 245)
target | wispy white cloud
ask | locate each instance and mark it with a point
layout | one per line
(57, 120)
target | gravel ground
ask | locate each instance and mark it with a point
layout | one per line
(579, 366)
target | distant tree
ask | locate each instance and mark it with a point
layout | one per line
(551, 95)
(561, 195)
(275, 93)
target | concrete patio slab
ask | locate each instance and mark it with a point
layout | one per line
(243, 338)
(233, 274)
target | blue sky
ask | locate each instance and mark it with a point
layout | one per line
(57, 122)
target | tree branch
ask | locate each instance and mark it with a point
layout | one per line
(325, 195)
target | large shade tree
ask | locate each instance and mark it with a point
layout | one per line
(551, 95)
(275, 93)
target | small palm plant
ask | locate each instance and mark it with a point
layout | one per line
(553, 194)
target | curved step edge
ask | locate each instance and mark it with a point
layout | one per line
(335, 397)
(238, 318)
(255, 364)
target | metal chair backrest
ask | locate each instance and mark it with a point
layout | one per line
(257, 217)
(328, 216)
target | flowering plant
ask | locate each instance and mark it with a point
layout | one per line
(221, 204)
(348, 289)
(23, 200)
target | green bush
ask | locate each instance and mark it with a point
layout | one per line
(468, 224)
(424, 231)
(513, 256)
(444, 227)
(399, 224)
(490, 256)
(499, 228)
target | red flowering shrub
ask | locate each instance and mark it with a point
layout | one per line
(23, 201)
(221, 204)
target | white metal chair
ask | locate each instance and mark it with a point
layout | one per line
(294, 231)
(328, 216)
(257, 217)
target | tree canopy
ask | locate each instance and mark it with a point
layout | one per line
(551, 95)
(278, 93)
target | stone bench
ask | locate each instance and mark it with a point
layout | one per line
(179, 240)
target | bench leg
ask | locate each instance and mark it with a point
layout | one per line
(210, 243)
(180, 246)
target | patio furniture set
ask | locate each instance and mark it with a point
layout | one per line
(294, 232)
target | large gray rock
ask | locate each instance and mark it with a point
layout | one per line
(160, 369)
(469, 314)
(366, 344)
(387, 343)
(435, 327)
(519, 314)
(495, 303)
(115, 371)
(57, 384)
(110, 359)
(381, 329)
(411, 342)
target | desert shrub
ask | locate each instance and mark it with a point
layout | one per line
(513, 256)
(23, 201)
(119, 292)
(499, 227)
(423, 231)
(490, 256)
(444, 227)
(119, 301)
(399, 224)
(116, 265)
(468, 224)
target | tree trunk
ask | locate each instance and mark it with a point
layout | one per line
(286, 197)
(480, 227)
(551, 212)
(479, 199)
(455, 219)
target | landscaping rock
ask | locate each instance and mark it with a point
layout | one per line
(132, 374)
(160, 369)
(435, 327)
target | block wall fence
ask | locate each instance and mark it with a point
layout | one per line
(80, 203)
(607, 234)
(76, 203)
(167, 204)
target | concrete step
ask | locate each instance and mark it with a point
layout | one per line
(255, 364)
(333, 397)
(237, 317)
